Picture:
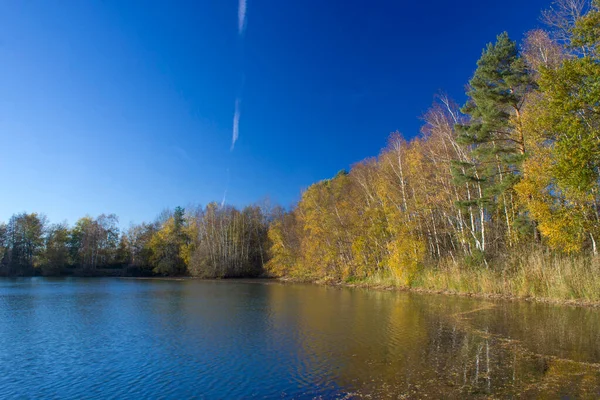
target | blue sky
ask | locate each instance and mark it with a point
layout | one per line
(127, 107)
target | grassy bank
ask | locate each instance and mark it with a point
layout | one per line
(537, 276)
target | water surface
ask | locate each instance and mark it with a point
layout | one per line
(119, 338)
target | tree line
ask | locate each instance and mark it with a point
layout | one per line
(513, 171)
(214, 241)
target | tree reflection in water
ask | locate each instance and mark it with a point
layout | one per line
(383, 344)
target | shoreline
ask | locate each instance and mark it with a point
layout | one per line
(358, 285)
(391, 288)
(482, 296)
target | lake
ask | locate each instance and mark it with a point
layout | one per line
(127, 338)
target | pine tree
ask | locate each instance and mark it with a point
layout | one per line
(496, 96)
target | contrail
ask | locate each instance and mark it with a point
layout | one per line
(223, 201)
(241, 16)
(226, 189)
(236, 123)
(242, 8)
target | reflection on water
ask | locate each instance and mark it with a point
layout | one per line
(100, 338)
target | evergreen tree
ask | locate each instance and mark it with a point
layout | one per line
(496, 96)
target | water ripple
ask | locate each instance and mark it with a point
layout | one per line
(129, 339)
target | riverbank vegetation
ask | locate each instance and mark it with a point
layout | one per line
(499, 196)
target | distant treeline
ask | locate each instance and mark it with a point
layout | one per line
(513, 173)
(206, 242)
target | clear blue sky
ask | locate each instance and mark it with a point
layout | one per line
(127, 106)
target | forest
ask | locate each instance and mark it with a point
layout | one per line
(499, 196)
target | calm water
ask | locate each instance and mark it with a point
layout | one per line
(117, 338)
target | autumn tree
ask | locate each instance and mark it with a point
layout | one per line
(562, 187)
(93, 242)
(284, 251)
(25, 239)
(562, 17)
(138, 245)
(226, 242)
(56, 252)
(166, 244)
(540, 52)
